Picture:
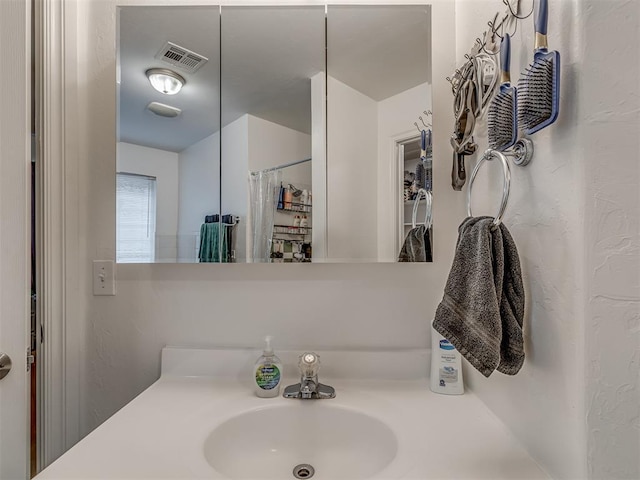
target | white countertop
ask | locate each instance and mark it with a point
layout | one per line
(160, 434)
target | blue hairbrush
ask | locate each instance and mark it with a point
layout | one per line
(539, 85)
(503, 111)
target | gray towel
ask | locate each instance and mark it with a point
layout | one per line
(417, 246)
(482, 310)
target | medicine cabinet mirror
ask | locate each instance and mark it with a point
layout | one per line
(295, 133)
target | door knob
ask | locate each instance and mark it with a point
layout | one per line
(5, 365)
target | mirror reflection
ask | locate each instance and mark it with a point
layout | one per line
(273, 62)
(168, 151)
(295, 134)
(379, 84)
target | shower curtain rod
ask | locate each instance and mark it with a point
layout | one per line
(280, 167)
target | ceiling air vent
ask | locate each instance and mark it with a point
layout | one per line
(181, 57)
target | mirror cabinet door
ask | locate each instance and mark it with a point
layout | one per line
(274, 133)
(168, 141)
(272, 64)
(378, 85)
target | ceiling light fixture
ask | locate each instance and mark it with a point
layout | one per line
(165, 81)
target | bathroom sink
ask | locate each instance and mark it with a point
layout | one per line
(198, 421)
(269, 443)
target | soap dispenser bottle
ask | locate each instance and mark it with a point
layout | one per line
(267, 372)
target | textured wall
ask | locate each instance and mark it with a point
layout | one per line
(543, 404)
(611, 122)
(574, 215)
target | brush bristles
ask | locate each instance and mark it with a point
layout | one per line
(535, 94)
(500, 121)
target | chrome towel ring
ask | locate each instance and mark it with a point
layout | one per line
(428, 216)
(490, 155)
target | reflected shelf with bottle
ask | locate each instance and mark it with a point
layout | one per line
(295, 208)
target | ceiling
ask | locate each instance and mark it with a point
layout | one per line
(269, 55)
(143, 31)
(380, 50)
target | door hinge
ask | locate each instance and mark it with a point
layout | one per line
(30, 359)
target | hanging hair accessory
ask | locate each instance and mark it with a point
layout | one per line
(539, 85)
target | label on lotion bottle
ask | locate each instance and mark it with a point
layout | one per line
(446, 366)
(448, 373)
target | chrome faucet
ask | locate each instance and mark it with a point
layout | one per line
(309, 386)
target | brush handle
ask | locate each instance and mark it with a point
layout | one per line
(505, 58)
(542, 16)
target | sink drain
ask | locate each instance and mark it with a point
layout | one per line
(304, 470)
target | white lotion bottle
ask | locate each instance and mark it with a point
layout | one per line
(446, 366)
(267, 372)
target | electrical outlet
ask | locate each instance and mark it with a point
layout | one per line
(104, 281)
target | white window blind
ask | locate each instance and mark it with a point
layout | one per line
(136, 218)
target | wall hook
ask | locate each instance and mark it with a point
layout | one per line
(515, 14)
(483, 45)
(492, 26)
(494, 29)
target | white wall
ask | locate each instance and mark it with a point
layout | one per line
(119, 338)
(610, 117)
(271, 144)
(164, 166)
(298, 175)
(396, 116)
(234, 186)
(199, 192)
(543, 404)
(352, 174)
(574, 215)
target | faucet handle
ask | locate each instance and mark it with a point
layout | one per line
(309, 364)
(309, 387)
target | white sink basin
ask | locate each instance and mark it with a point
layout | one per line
(269, 442)
(198, 421)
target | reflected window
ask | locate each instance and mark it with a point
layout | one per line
(136, 218)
